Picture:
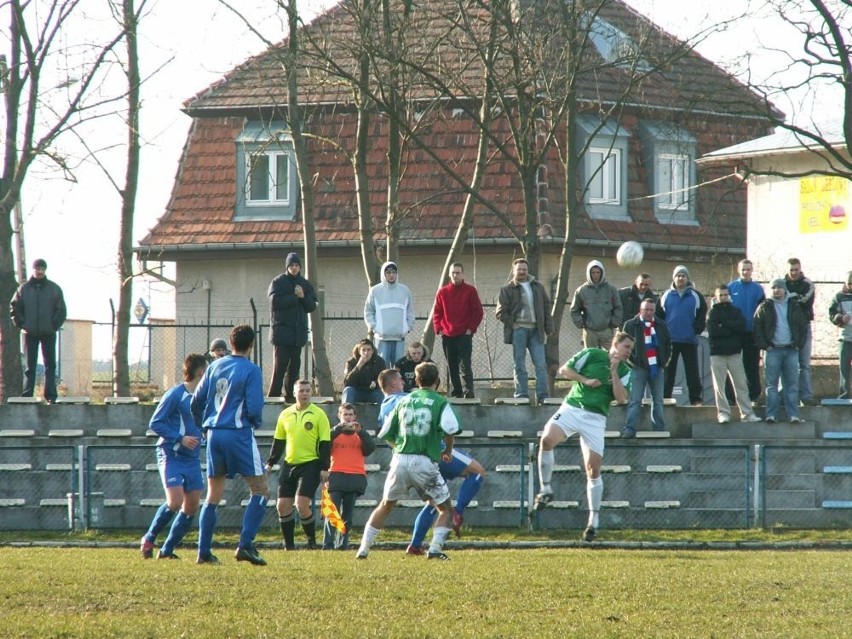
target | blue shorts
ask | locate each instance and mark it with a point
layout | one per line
(233, 451)
(456, 466)
(180, 472)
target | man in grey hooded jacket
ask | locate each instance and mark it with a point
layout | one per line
(389, 314)
(596, 307)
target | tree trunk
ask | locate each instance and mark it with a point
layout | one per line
(121, 368)
(322, 370)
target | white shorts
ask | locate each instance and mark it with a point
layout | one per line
(417, 472)
(588, 425)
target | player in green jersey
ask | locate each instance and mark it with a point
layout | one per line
(415, 429)
(599, 377)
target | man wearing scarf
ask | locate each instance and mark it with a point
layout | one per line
(652, 348)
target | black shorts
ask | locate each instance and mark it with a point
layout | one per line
(301, 479)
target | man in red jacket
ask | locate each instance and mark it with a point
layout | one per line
(456, 316)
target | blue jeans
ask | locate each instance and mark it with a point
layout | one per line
(523, 340)
(806, 389)
(845, 366)
(639, 378)
(782, 364)
(390, 351)
(352, 395)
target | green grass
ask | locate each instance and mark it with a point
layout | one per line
(83, 592)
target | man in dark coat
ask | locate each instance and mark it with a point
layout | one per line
(291, 298)
(38, 309)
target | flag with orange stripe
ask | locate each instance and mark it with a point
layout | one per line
(330, 513)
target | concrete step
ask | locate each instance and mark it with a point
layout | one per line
(759, 431)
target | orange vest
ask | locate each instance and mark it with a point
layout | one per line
(346, 455)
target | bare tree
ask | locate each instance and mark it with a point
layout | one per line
(814, 71)
(37, 112)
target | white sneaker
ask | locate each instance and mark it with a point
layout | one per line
(796, 420)
(724, 419)
(751, 419)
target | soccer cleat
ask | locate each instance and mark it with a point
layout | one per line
(437, 555)
(542, 500)
(361, 554)
(751, 419)
(458, 520)
(146, 548)
(796, 420)
(414, 550)
(171, 555)
(590, 533)
(249, 554)
(312, 544)
(207, 559)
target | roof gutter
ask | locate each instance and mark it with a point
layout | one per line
(151, 251)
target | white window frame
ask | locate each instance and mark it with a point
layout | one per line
(677, 196)
(608, 172)
(272, 156)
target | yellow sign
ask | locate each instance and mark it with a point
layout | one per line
(823, 204)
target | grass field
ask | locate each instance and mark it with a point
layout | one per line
(551, 592)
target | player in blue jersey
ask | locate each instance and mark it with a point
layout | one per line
(459, 465)
(419, 423)
(228, 404)
(599, 378)
(178, 460)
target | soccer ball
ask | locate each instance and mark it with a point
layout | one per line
(630, 254)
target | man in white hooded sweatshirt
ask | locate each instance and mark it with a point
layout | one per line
(389, 313)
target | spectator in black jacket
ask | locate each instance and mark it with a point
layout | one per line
(632, 296)
(652, 348)
(361, 375)
(796, 283)
(38, 309)
(417, 353)
(291, 298)
(780, 329)
(840, 313)
(726, 328)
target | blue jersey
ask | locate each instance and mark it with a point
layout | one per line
(388, 404)
(746, 296)
(172, 420)
(230, 395)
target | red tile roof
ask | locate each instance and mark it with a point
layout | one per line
(200, 213)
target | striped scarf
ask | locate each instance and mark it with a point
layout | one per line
(651, 348)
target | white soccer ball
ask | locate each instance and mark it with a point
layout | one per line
(630, 254)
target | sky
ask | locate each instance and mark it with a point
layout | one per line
(74, 226)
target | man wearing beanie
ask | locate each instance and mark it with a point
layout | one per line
(685, 312)
(38, 309)
(780, 329)
(291, 298)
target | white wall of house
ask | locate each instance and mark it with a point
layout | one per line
(775, 235)
(232, 282)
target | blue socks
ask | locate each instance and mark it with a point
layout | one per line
(161, 519)
(470, 486)
(206, 524)
(422, 525)
(180, 526)
(252, 519)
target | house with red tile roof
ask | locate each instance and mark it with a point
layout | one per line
(642, 118)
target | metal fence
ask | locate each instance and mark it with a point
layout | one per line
(652, 486)
(157, 350)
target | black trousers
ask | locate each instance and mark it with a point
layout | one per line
(689, 352)
(458, 351)
(288, 359)
(48, 355)
(751, 363)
